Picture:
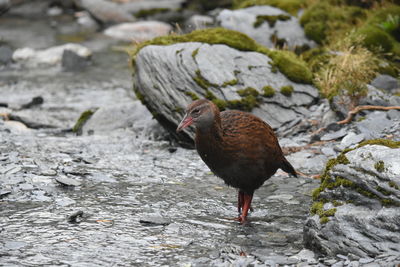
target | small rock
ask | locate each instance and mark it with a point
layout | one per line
(4, 6)
(138, 31)
(67, 181)
(86, 22)
(334, 135)
(374, 124)
(50, 56)
(4, 192)
(199, 22)
(48, 173)
(153, 220)
(351, 139)
(365, 260)
(65, 201)
(105, 11)
(328, 151)
(385, 82)
(393, 114)
(5, 54)
(75, 217)
(38, 100)
(71, 61)
(16, 127)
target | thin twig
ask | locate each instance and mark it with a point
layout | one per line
(357, 109)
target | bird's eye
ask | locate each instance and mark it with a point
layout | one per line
(196, 112)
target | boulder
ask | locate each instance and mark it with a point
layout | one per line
(151, 6)
(105, 11)
(50, 56)
(386, 82)
(270, 26)
(356, 208)
(138, 31)
(168, 78)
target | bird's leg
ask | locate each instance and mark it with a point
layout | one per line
(247, 198)
(240, 201)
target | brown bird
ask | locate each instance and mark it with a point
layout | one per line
(237, 146)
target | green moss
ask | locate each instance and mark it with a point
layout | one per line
(203, 82)
(394, 185)
(249, 91)
(268, 91)
(287, 90)
(324, 19)
(383, 191)
(85, 116)
(376, 39)
(149, 12)
(323, 220)
(192, 95)
(195, 52)
(221, 104)
(139, 95)
(287, 62)
(230, 83)
(291, 6)
(381, 142)
(337, 203)
(316, 58)
(380, 166)
(270, 19)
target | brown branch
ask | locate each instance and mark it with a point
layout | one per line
(354, 111)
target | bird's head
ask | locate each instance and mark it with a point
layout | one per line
(201, 113)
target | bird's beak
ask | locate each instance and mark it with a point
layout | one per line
(186, 121)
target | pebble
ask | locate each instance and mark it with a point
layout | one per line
(153, 220)
(67, 181)
(366, 260)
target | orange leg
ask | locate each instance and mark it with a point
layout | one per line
(245, 208)
(240, 201)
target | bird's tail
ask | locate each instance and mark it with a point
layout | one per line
(287, 167)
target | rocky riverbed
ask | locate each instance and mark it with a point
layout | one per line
(120, 192)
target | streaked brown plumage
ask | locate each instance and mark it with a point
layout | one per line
(237, 146)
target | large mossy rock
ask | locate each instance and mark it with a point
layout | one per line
(356, 208)
(270, 26)
(168, 77)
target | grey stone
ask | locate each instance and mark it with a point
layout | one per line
(243, 20)
(4, 6)
(67, 181)
(5, 53)
(385, 82)
(328, 151)
(351, 139)
(365, 260)
(167, 95)
(138, 31)
(307, 162)
(154, 220)
(365, 228)
(374, 124)
(105, 11)
(393, 114)
(334, 135)
(199, 22)
(73, 62)
(136, 6)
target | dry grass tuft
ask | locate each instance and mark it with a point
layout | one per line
(350, 68)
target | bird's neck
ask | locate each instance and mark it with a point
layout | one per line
(212, 133)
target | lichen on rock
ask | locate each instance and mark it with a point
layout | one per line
(357, 188)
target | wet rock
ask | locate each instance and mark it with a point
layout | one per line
(366, 227)
(374, 124)
(86, 22)
(67, 181)
(153, 220)
(385, 82)
(5, 52)
(286, 30)
(50, 56)
(133, 115)
(76, 217)
(105, 11)
(71, 61)
(138, 31)
(16, 127)
(4, 6)
(218, 65)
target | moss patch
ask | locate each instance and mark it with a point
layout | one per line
(270, 19)
(380, 166)
(287, 90)
(203, 82)
(318, 208)
(192, 95)
(85, 116)
(268, 91)
(230, 83)
(287, 62)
